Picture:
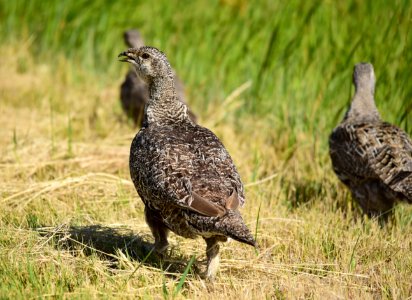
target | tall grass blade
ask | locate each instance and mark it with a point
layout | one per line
(183, 278)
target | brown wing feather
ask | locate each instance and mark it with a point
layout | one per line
(232, 202)
(206, 207)
(392, 161)
(372, 151)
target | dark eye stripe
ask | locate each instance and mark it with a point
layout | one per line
(145, 56)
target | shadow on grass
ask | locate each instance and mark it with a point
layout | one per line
(113, 244)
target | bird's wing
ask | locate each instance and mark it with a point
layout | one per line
(392, 160)
(191, 169)
(208, 208)
(373, 151)
(349, 152)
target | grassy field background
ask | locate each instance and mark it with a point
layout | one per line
(270, 79)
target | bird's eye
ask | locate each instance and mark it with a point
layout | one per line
(145, 56)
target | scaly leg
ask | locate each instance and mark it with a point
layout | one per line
(213, 259)
(158, 228)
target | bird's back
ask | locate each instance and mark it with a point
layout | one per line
(375, 153)
(167, 153)
(373, 158)
(169, 164)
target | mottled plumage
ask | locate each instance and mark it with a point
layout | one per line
(134, 92)
(182, 172)
(373, 158)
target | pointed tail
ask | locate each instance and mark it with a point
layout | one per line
(233, 226)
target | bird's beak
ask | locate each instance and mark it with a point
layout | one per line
(125, 57)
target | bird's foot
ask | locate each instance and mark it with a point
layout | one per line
(159, 248)
(212, 267)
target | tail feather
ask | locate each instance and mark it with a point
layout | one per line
(233, 226)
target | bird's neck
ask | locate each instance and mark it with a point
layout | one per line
(163, 105)
(363, 106)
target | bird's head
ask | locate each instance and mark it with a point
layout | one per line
(364, 77)
(133, 39)
(149, 62)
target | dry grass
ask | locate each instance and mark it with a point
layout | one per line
(72, 224)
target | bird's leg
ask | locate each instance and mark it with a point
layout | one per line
(212, 254)
(158, 228)
(374, 202)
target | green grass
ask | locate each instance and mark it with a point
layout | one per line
(270, 79)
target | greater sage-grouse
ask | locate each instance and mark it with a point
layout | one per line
(373, 158)
(182, 172)
(134, 92)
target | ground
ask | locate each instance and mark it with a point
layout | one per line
(72, 224)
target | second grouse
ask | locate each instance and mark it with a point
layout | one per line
(373, 158)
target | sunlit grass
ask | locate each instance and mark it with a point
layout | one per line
(271, 80)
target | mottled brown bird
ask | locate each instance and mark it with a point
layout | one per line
(182, 172)
(373, 158)
(134, 92)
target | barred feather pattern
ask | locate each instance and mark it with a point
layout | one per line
(375, 161)
(373, 158)
(168, 163)
(182, 172)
